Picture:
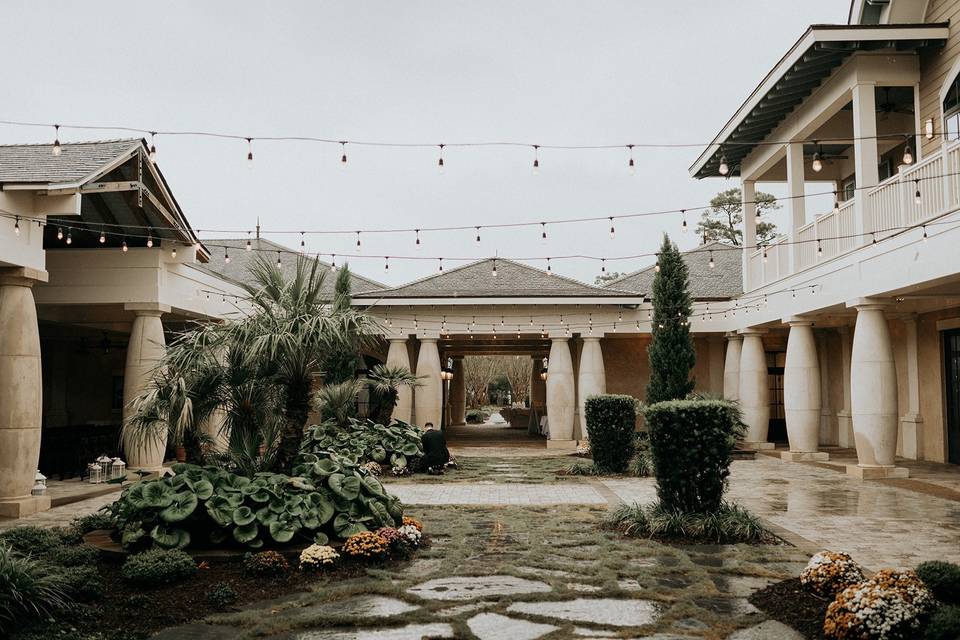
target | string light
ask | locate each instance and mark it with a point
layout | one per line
(724, 168)
(764, 254)
(924, 233)
(440, 161)
(69, 237)
(124, 247)
(59, 233)
(153, 147)
(16, 226)
(478, 236)
(907, 155)
(441, 265)
(836, 201)
(711, 263)
(683, 228)
(226, 256)
(417, 241)
(303, 243)
(916, 196)
(386, 263)
(493, 272)
(278, 260)
(543, 232)
(817, 164)
(756, 215)
(343, 152)
(603, 265)
(613, 231)
(173, 252)
(548, 265)
(630, 164)
(56, 141)
(819, 249)
(656, 266)
(249, 244)
(358, 242)
(249, 151)
(333, 262)
(103, 238)
(149, 241)
(536, 159)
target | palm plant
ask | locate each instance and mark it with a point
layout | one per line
(338, 402)
(256, 372)
(385, 381)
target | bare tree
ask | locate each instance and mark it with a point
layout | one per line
(478, 373)
(517, 370)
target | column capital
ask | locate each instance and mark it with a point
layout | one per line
(147, 308)
(867, 303)
(402, 339)
(733, 336)
(751, 331)
(22, 276)
(798, 321)
(559, 338)
(593, 338)
(428, 339)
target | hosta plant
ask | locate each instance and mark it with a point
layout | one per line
(327, 497)
(397, 445)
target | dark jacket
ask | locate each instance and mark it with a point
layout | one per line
(435, 452)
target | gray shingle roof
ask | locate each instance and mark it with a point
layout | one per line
(513, 279)
(35, 163)
(241, 260)
(724, 280)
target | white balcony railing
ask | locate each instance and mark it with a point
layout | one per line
(888, 209)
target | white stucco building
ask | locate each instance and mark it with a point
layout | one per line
(845, 331)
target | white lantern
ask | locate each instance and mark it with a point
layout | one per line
(118, 469)
(104, 461)
(39, 484)
(94, 473)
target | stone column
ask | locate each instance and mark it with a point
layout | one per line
(398, 356)
(561, 397)
(795, 193)
(731, 367)
(591, 377)
(21, 389)
(828, 434)
(754, 390)
(873, 395)
(428, 401)
(911, 423)
(144, 352)
(865, 154)
(458, 393)
(801, 393)
(844, 417)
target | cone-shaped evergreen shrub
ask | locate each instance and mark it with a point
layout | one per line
(611, 422)
(692, 442)
(671, 349)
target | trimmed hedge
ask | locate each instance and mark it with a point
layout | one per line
(611, 422)
(943, 578)
(692, 442)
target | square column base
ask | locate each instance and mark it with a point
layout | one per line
(759, 446)
(562, 444)
(877, 473)
(804, 456)
(22, 507)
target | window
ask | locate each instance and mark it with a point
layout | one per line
(951, 111)
(849, 188)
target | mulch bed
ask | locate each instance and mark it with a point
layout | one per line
(791, 604)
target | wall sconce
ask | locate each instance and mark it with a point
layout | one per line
(543, 370)
(928, 129)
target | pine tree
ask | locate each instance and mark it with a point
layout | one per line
(671, 351)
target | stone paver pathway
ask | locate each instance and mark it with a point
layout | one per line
(496, 494)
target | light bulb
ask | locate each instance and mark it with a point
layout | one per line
(613, 231)
(278, 260)
(757, 218)
(440, 161)
(69, 237)
(226, 256)
(153, 147)
(494, 273)
(103, 238)
(441, 265)
(478, 236)
(16, 226)
(924, 233)
(603, 265)
(173, 252)
(536, 159)
(817, 164)
(343, 152)
(712, 264)
(543, 232)
(916, 196)
(386, 263)
(417, 241)
(149, 241)
(249, 152)
(59, 233)
(907, 155)
(683, 227)
(333, 262)
(630, 165)
(656, 267)
(358, 242)
(724, 168)
(819, 248)
(548, 265)
(249, 245)
(124, 247)
(928, 129)
(56, 141)
(303, 243)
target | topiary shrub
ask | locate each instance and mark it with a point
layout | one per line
(222, 595)
(944, 624)
(611, 422)
(265, 564)
(29, 590)
(692, 442)
(158, 566)
(943, 578)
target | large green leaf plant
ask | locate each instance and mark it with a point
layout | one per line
(365, 440)
(328, 496)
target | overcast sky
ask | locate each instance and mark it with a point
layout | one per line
(546, 72)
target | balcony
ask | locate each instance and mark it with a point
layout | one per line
(889, 209)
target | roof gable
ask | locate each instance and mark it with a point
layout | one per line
(36, 164)
(513, 280)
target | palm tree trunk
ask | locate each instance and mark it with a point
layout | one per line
(296, 412)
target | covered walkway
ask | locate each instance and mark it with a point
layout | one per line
(492, 435)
